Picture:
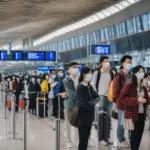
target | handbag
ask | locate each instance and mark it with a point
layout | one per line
(73, 116)
(127, 121)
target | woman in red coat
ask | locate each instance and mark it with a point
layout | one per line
(134, 96)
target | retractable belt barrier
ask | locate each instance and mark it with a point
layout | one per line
(3, 94)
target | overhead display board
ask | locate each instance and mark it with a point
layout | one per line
(17, 55)
(34, 56)
(3, 55)
(28, 56)
(50, 56)
(43, 68)
(100, 50)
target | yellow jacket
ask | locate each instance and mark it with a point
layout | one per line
(44, 86)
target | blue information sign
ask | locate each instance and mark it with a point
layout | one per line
(100, 49)
(50, 56)
(43, 68)
(17, 55)
(36, 56)
(3, 55)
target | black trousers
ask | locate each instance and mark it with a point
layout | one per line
(136, 135)
(55, 107)
(84, 133)
(17, 101)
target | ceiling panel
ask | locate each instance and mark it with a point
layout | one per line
(38, 17)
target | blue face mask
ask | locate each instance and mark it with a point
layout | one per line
(89, 77)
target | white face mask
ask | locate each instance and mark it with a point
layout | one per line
(9, 80)
(60, 74)
(140, 75)
(47, 77)
(39, 80)
(74, 71)
(89, 77)
(33, 80)
(148, 83)
(128, 66)
(107, 64)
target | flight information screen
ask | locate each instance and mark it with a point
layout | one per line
(17, 55)
(43, 68)
(50, 56)
(34, 56)
(100, 49)
(3, 55)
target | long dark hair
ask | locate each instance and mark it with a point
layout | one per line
(85, 70)
(134, 78)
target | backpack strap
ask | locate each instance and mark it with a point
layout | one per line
(111, 75)
(98, 78)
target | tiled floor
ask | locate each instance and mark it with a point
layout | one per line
(41, 136)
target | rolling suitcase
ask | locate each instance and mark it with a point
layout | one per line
(21, 104)
(9, 104)
(102, 126)
(41, 110)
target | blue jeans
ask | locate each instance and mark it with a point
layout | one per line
(120, 129)
(106, 106)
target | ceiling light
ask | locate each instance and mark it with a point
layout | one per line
(113, 9)
(119, 6)
(100, 15)
(94, 18)
(131, 1)
(125, 3)
(106, 13)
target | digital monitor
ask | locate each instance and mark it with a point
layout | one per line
(17, 55)
(50, 56)
(45, 68)
(100, 49)
(34, 56)
(3, 55)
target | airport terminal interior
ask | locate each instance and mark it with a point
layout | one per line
(51, 50)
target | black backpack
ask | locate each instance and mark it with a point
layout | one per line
(99, 76)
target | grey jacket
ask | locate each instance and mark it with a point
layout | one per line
(70, 102)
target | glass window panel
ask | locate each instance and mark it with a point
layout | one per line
(134, 25)
(73, 43)
(91, 38)
(97, 34)
(84, 40)
(81, 40)
(87, 39)
(77, 42)
(117, 30)
(64, 45)
(106, 33)
(123, 28)
(109, 33)
(139, 23)
(112, 32)
(129, 26)
(145, 22)
(103, 38)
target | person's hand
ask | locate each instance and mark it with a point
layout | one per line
(63, 95)
(141, 100)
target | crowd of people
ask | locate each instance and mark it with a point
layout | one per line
(130, 97)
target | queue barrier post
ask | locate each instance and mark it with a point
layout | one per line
(57, 136)
(13, 107)
(25, 129)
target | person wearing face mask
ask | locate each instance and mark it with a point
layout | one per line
(59, 88)
(122, 78)
(134, 97)
(19, 88)
(146, 83)
(33, 89)
(85, 96)
(70, 82)
(44, 84)
(101, 83)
